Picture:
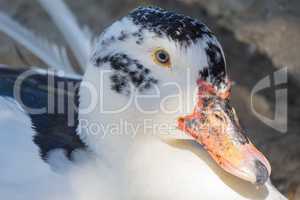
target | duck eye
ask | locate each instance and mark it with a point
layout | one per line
(162, 57)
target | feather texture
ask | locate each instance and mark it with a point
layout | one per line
(78, 39)
(54, 56)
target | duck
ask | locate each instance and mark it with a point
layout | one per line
(149, 117)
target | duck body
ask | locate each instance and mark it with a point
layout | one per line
(151, 66)
(153, 167)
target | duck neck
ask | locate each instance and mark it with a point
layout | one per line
(100, 117)
(110, 122)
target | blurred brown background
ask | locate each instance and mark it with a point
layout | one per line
(258, 36)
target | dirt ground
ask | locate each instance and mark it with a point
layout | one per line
(250, 58)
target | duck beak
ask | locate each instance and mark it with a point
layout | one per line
(214, 125)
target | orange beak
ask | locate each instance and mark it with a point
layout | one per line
(214, 125)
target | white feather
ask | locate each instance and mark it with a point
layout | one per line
(78, 39)
(24, 175)
(54, 56)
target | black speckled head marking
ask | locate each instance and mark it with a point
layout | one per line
(122, 36)
(184, 30)
(127, 71)
(178, 27)
(216, 64)
(166, 24)
(139, 36)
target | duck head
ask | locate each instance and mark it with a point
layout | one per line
(159, 65)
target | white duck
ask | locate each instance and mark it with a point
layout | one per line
(145, 73)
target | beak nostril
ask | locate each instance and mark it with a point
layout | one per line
(219, 117)
(262, 173)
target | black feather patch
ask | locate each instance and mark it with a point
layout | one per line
(184, 30)
(55, 128)
(128, 72)
(178, 27)
(216, 64)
